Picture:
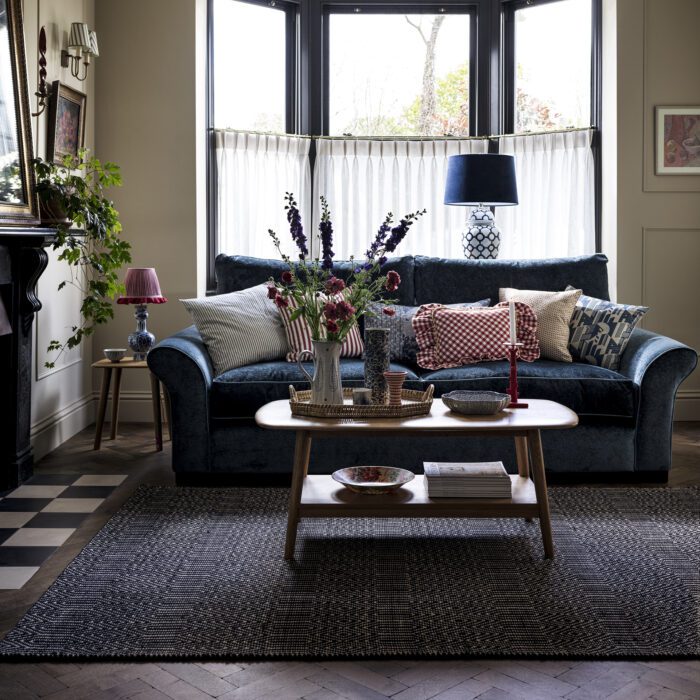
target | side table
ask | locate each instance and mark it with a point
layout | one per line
(116, 368)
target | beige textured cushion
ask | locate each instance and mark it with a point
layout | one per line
(554, 311)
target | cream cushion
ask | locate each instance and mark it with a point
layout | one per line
(554, 311)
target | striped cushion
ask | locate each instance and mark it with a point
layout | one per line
(456, 337)
(299, 333)
(240, 328)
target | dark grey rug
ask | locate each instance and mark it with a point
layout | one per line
(181, 572)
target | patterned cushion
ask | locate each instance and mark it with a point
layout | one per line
(600, 330)
(553, 311)
(455, 337)
(239, 328)
(402, 338)
(299, 333)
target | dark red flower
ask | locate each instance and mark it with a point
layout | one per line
(388, 311)
(393, 280)
(332, 326)
(287, 277)
(335, 285)
(281, 302)
(345, 310)
(330, 311)
(272, 292)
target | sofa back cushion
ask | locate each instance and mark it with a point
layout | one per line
(450, 281)
(236, 272)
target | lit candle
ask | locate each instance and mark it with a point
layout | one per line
(511, 316)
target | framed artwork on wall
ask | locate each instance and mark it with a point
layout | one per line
(66, 122)
(18, 202)
(678, 140)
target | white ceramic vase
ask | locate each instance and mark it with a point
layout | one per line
(326, 387)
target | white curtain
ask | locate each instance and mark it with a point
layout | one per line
(253, 172)
(556, 214)
(365, 179)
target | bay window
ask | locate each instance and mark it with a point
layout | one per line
(365, 103)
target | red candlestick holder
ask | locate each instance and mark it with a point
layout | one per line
(513, 350)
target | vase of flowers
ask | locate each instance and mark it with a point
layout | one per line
(329, 305)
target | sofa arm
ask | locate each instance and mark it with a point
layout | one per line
(657, 365)
(183, 364)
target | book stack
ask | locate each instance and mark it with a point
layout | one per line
(466, 480)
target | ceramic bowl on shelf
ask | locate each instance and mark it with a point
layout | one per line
(372, 480)
(476, 403)
(115, 354)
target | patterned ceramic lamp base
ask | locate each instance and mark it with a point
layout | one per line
(481, 238)
(141, 340)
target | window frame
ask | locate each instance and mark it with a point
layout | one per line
(331, 8)
(492, 72)
(291, 99)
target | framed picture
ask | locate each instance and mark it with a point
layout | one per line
(66, 122)
(678, 140)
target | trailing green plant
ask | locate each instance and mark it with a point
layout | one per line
(88, 236)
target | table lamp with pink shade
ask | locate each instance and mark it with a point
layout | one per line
(142, 288)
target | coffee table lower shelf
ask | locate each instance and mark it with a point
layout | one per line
(322, 497)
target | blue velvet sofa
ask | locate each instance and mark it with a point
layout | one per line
(625, 417)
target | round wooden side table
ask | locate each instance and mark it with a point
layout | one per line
(115, 368)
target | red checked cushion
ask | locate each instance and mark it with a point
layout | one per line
(299, 334)
(455, 337)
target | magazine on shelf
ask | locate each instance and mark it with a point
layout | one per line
(467, 480)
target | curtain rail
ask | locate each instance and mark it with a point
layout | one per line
(404, 138)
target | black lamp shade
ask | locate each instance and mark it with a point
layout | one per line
(481, 178)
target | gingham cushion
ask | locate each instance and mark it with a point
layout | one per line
(299, 333)
(456, 337)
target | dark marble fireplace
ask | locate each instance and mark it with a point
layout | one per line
(23, 258)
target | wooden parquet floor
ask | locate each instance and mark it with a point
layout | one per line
(133, 454)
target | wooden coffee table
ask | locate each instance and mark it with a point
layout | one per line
(321, 497)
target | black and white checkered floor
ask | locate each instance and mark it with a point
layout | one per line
(39, 516)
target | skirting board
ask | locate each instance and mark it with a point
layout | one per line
(50, 432)
(687, 405)
(134, 407)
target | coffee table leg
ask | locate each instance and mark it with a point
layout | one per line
(540, 480)
(523, 458)
(302, 451)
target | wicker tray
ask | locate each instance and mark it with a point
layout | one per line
(414, 403)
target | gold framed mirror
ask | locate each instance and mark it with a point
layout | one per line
(18, 201)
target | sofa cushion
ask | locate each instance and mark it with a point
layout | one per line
(239, 328)
(450, 281)
(584, 388)
(236, 272)
(553, 310)
(242, 391)
(403, 346)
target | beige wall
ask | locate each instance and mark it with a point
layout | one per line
(150, 98)
(62, 398)
(658, 217)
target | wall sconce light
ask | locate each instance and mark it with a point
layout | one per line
(44, 91)
(84, 43)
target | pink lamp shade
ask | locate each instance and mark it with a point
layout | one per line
(142, 287)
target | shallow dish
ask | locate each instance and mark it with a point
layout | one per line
(476, 403)
(372, 479)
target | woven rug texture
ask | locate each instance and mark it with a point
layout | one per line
(199, 573)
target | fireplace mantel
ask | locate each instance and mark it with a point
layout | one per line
(23, 258)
